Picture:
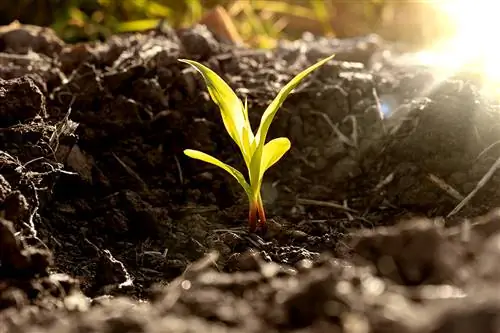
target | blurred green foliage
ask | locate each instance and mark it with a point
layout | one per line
(259, 22)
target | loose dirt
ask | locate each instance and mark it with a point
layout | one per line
(107, 227)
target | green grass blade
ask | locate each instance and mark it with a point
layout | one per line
(155, 9)
(212, 160)
(195, 9)
(322, 11)
(282, 7)
(137, 25)
(231, 107)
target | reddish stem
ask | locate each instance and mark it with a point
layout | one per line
(262, 215)
(252, 217)
(257, 216)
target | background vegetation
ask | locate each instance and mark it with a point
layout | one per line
(258, 22)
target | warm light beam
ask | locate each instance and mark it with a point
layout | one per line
(475, 42)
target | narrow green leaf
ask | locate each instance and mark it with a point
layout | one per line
(155, 9)
(245, 112)
(248, 136)
(273, 151)
(137, 25)
(196, 9)
(266, 120)
(246, 146)
(231, 107)
(212, 160)
(271, 110)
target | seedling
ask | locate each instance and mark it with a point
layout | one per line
(258, 155)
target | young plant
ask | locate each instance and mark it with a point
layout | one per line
(257, 154)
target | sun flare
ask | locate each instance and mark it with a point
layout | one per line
(474, 44)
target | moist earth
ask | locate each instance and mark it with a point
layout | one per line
(106, 226)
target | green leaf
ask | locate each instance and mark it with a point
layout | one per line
(266, 120)
(245, 113)
(248, 136)
(212, 160)
(137, 25)
(271, 110)
(195, 8)
(231, 107)
(273, 151)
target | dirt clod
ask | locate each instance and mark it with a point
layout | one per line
(20, 100)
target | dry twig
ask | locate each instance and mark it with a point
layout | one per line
(479, 185)
(450, 190)
(329, 204)
(342, 137)
(179, 169)
(131, 172)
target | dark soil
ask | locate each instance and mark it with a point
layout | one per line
(107, 227)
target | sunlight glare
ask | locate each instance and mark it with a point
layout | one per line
(474, 45)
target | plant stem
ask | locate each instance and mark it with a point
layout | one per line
(252, 216)
(257, 215)
(262, 213)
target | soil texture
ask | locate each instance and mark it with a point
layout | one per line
(382, 216)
